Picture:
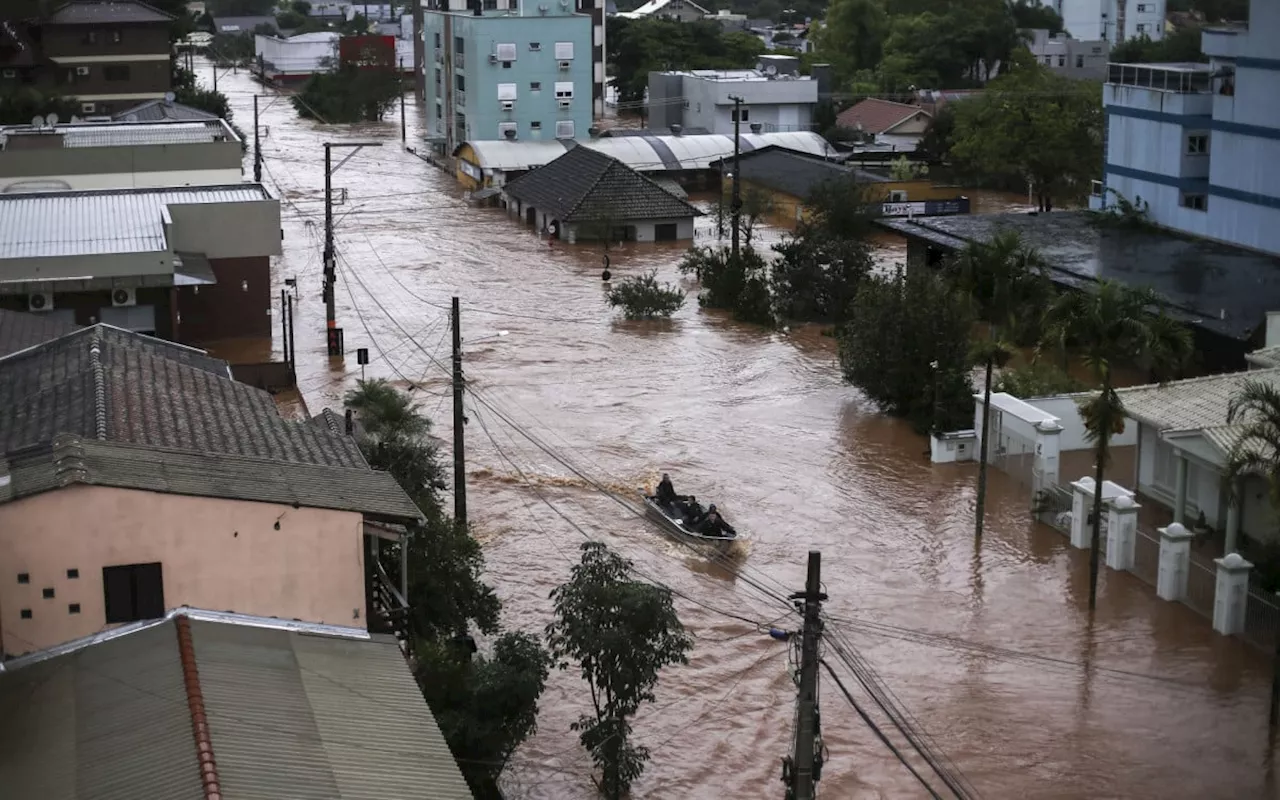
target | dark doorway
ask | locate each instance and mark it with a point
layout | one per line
(133, 592)
(531, 215)
(665, 232)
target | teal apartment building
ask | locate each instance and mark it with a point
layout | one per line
(523, 72)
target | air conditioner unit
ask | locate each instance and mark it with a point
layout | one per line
(565, 102)
(508, 105)
(124, 297)
(82, 70)
(40, 302)
(564, 65)
(510, 133)
(493, 58)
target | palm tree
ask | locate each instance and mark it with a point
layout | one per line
(1256, 406)
(1115, 324)
(1008, 280)
(396, 439)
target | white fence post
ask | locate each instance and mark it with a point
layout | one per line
(1081, 508)
(1175, 562)
(1122, 532)
(1231, 594)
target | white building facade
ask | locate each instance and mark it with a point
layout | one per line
(1112, 20)
(775, 98)
(1199, 144)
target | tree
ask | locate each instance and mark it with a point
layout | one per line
(1037, 379)
(757, 203)
(348, 94)
(620, 632)
(640, 46)
(1179, 46)
(852, 36)
(904, 169)
(935, 145)
(952, 44)
(905, 344)
(290, 20)
(486, 706)
(1030, 14)
(642, 297)
(1255, 407)
(1007, 279)
(1033, 126)
(1113, 325)
(737, 284)
(18, 105)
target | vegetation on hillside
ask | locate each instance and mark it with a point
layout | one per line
(639, 46)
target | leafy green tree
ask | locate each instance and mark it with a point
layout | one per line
(1255, 407)
(1037, 379)
(1034, 126)
(1010, 283)
(18, 105)
(290, 20)
(486, 706)
(1031, 14)
(348, 94)
(737, 284)
(852, 37)
(956, 45)
(642, 297)
(905, 344)
(757, 203)
(935, 145)
(1181, 45)
(620, 632)
(640, 46)
(1114, 324)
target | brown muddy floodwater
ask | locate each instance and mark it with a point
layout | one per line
(1144, 703)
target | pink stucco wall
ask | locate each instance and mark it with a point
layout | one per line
(223, 555)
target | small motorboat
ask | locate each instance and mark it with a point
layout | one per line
(678, 527)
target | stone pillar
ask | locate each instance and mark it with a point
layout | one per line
(1234, 496)
(1048, 450)
(1122, 532)
(1231, 594)
(1175, 562)
(1180, 495)
(1081, 508)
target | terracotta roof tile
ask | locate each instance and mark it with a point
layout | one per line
(876, 116)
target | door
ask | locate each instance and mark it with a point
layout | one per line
(665, 232)
(531, 215)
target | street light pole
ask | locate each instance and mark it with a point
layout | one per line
(736, 205)
(333, 332)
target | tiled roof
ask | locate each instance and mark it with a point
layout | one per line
(107, 12)
(874, 115)
(584, 184)
(47, 224)
(128, 134)
(20, 330)
(72, 460)
(292, 710)
(242, 24)
(161, 110)
(786, 171)
(1265, 357)
(1194, 405)
(105, 383)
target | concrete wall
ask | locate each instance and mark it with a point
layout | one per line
(216, 554)
(227, 230)
(238, 305)
(1066, 408)
(143, 166)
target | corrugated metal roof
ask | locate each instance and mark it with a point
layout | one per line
(303, 717)
(160, 110)
(109, 722)
(52, 224)
(123, 133)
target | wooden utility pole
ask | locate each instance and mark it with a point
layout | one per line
(257, 144)
(803, 772)
(400, 74)
(459, 423)
(332, 331)
(736, 206)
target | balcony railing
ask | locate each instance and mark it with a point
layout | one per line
(1181, 78)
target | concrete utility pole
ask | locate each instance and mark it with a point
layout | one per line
(459, 423)
(736, 205)
(803, 773)
(333, 332)
(402, 125)
(257, 144)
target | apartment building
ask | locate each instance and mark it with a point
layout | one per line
(1199, 144)
(523, 72)
(776, 98)
(107, 55)
(1112, 20)
(1071, 58)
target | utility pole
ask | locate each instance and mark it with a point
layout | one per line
(402, 126)
(459, 421)
(257, 144)
(736, 205)
(332, 331)
(803, 771)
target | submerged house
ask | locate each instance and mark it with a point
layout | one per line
(585, 194)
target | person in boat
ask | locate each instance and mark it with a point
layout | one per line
(712, 524)
(666, 492)
(691, 510)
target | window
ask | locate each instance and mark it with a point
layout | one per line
(564, 51)
(1048, 61)
(73, 574)
(25, 613)
(24, 577)
(505, 52)
(535, 86)
(438, 78)
(439, 110)
(490, 5)
(1142, 28)
(133, 592)
(1079, 62)
(459, 45)
(746, 115)
(91, 37)
(506, 65)
(460, 83)
(535, 47)
(1195, 202)
(116, 36)
(1143, 8)
(1062, 60)
(74, 608)
(1197, 144)
(535, 125)
(47, 592)
(564, 90)
(564, 129)
(11, 73)
(897, 196)
(506, 91)
(437, 36)
(116, 72)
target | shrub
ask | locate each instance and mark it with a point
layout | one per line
(1037, 379)
(740, 285)
(642, 297)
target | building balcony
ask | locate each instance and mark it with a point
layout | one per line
(1223, 42)
(1183, 78)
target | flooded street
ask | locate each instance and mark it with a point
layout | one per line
(1032, 702)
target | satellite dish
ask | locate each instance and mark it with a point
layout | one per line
(37, 121)
(772, 69)
(131, 118)
(52, 119)
(169, 97)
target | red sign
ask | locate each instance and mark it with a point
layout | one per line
(368, 52)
